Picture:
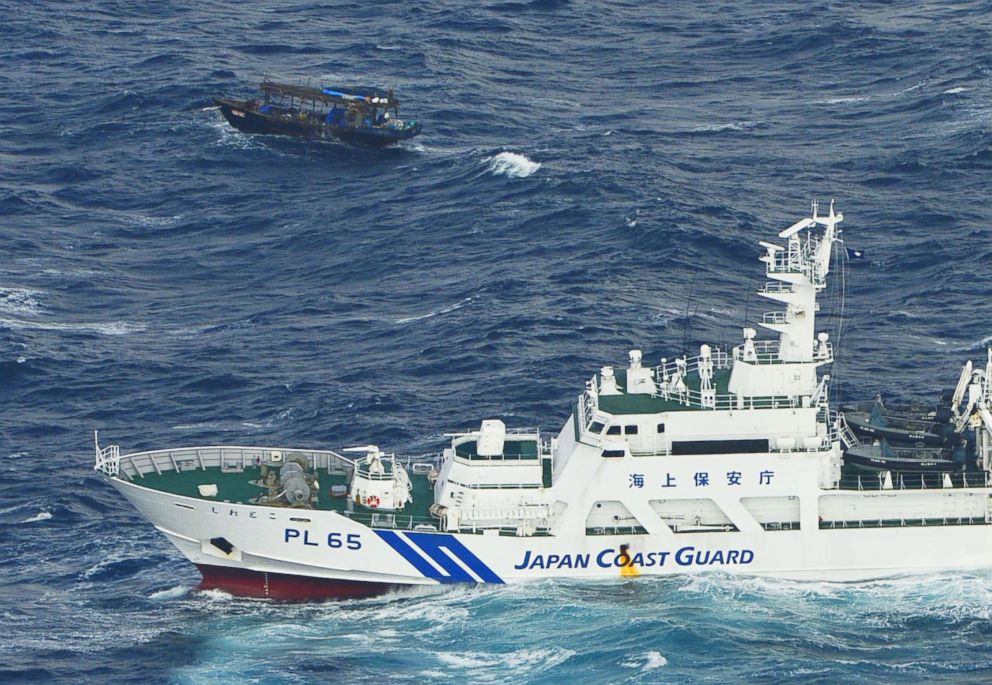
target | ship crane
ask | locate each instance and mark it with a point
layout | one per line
(976, 413)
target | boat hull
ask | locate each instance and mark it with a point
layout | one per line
(876, 463)
(293, 554)
(245, 582)
(863, 429)
(248, 120)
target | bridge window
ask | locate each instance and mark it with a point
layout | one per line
(661, 428)
(613, 430)
(630, 430)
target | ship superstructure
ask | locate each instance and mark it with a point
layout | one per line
(729, 460)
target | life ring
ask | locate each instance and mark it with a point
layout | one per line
(372, 502)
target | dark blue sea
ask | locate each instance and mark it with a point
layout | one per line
(592, 177)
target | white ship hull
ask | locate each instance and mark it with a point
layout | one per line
(729, 461)
(279, 554)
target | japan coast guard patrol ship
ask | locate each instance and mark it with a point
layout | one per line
(726, 461)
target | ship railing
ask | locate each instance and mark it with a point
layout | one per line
(228, 458)
(720, 359)
(429, 524)
(693, 398)
(773, 318)
(767, 352)
(904, 522)
(785, 262)
(776, 287)
(364, 472)
(108, 458)
(915, 481)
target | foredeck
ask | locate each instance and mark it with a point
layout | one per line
(237, 485)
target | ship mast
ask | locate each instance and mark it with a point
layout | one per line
(799, 272)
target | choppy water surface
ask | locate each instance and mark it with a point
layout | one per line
(584, 167)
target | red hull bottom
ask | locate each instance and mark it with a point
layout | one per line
(247, 583)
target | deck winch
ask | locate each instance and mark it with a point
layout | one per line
(296, 490)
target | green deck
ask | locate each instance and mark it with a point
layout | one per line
(236, 488)
(648, 404)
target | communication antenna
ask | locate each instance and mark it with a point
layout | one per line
(747, 305)
(687, 320)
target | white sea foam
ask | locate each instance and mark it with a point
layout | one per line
(444, 310)
(149, 221)
(40, 516)
(841, 100)
(646, 662)
(20, 301)
(523, 660)
(654, 660)
(955, 91)
(108, 328)
(511, 165)
(978, 345)
(171, 593)
(216, 595)
(231, 137)
(735, 126)
(205, 425)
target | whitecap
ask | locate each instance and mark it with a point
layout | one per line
(20, 301)
(149, 221)
(917, 86)
(955, 91)
(524, 660)
(171, 593)
(205, 425)
(40, 516)
(654, 660)
(979, 345)
(511, 165)
(108, 328)
(646, 662)
(841, 100)
(717, 128)
(468, 659)
(388, 47)
(444, 310)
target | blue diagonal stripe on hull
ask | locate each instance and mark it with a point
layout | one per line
(434, 546)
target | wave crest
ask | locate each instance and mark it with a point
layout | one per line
(512, 165)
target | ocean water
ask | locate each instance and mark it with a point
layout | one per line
(590, 173)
